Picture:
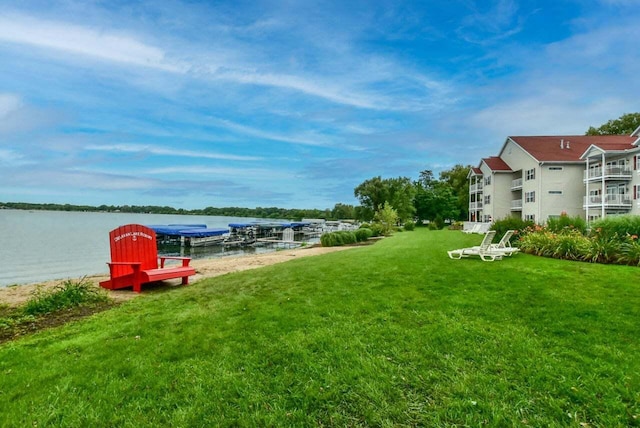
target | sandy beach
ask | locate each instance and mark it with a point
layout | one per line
(205, 268)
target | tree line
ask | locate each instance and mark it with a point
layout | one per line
(259, 212)
(428, 198)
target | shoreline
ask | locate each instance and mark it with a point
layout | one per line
(205, 268)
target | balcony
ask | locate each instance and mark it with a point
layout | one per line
(516, 184)
(477, 187)
(474, 206)
(610, 201)
(608, 173)
(516, 205)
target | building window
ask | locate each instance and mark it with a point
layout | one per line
(530, 174)
(487, 180)
(555, 192)
(530, 196)
(555, 168)
(530, 217)
(487, 199)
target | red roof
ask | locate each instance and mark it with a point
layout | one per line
(476, 171)
(496, 164)
(569, 148)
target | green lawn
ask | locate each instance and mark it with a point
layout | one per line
(394, 334)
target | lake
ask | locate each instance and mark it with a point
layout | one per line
(38, 246)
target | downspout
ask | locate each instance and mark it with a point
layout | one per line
(602, 191)
(586, 196)
(539, 199)
(469, 207)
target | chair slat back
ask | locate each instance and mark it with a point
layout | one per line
(133, 243)
(486, 241)
(504, 242)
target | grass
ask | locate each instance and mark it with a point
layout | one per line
(67, 301)
(394, 334)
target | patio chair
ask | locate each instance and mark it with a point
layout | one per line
(484, 250)
(504, 245)
(474, 229)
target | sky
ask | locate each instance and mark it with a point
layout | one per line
(291, 104)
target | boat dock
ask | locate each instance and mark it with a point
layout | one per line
(237, 234)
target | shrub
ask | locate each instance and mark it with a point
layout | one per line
(622, 226)
(439, 222)
(564, 222)
(377, 229)
(387, 217)
(66, 295)
(365, 226)
(458, 225)
(539, 242)
(603, 249)
(363, 234)
(336, 239)
(571, 244)
(630, 252)
(511, 223)
(409, 225)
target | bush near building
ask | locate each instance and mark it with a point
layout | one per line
(611, 240)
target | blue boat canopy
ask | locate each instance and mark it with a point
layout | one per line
(202, 233)
(175, 229)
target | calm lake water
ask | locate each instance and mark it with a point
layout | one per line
(38, 246)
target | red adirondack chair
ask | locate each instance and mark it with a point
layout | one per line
(134, 260)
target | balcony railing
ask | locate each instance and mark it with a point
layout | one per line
(608, 201)
(516, 205)
(516, 184)
(475, 205)
(609, 172)
(477, 187)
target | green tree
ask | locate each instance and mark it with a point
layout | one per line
(399, 192)
(435, 199)
(624, 125)
(387, 217)
(457, 178)
(343, 211)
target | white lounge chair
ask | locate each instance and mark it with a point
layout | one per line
(484, 250)
(474, 229)
(504, 245)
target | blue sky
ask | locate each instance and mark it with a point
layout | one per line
(291, 103)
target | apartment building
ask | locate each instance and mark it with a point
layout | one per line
(538, 177)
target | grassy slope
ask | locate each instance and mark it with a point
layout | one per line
(391, 334)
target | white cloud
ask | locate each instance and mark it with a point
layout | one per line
(549, 114)
(91, 42)
(245, 173)
(164, 151)
(12, 158)
(233, 61)
(8, 104)
(305, 139)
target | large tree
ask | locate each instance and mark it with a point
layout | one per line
(457, 178)
(435, 199)
(343, 212)
(625, 124)
(398, 192)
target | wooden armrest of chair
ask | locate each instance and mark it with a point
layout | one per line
(185, 260)
(134, 265)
